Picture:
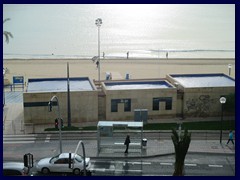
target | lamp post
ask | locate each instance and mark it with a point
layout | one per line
(84, 157)
(222, 101)
(229, 69)
(4, 71)
(50, 103)
(98, 23)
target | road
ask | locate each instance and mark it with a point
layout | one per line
(195, 165)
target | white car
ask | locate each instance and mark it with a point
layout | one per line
(14, 169)
(60, 163)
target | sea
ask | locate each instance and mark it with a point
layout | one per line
(59, 31)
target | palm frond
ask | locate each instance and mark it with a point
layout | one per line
(7, 35)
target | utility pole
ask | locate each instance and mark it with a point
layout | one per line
(68, 97)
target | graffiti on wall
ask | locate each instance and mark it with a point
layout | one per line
(200, 107)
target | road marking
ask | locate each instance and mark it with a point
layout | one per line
(18, 139)
(139, 163)
(47, 140)
(166, 164)
(113, 170)
(17, 142)
(112, 166)
(20, 135)
(215, 165)
(98, 169)
(122, 170)
(190, 164)
(156, 175)
(130, 162)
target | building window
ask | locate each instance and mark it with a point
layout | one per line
(167, 100)
(114, 105)
(155, 104)
(127, 105)
(115, 102)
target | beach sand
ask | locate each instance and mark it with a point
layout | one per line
(136, 68)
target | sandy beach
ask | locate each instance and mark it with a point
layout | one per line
(136, 68)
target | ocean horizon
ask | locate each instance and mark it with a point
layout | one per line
(187, 54)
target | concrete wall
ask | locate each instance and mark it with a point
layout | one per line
(204, 102)
(180, 96)
(84, 107)
(101, 106)
(140, 99)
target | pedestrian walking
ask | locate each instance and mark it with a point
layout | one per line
(127, 54)
(167, 55)
(127, 142)
(230, 137)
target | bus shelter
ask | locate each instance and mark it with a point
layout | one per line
(111, 134)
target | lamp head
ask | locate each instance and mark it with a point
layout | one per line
(98, 22)
(223, 100)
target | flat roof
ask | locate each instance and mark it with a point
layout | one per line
(129, 85)
(119, 123)
(59, 85)
(204, 80)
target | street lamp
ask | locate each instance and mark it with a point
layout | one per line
(50, 103)
(222, 101)
(229, 69)
(84, 157)
(98, 23)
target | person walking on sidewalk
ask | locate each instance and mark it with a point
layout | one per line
(127, 142)
(230, 137)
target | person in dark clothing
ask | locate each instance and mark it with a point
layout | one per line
(127, 142)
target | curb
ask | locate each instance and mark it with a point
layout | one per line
(131, 157)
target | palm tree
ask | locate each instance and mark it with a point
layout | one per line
(181, 145)
(6, 33)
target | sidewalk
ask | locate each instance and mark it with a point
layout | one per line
(160, 148)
